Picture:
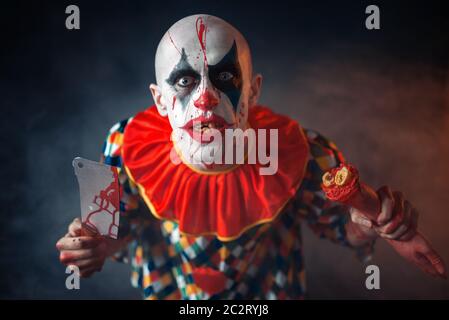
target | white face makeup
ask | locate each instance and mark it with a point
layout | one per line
(204, 77)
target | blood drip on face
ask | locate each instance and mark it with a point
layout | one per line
(201, 34)
(169, 35)
(173, 103)
(201, 30)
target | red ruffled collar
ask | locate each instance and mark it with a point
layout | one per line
(223, 204)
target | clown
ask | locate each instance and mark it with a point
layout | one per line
(220, 230)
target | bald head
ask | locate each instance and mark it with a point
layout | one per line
(202, 37)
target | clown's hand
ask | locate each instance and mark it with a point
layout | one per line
(397, 219)
(397, 224)
(88, 253)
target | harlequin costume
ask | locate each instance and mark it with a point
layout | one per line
(228, 235)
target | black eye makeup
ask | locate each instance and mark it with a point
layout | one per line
(185, 79)
(226, 76)
(183, 75)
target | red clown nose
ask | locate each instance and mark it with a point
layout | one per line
(206, 101)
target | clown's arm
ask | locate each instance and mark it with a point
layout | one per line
(340, 223)
(396, 218)
(89, 252)
(328, 219)
(386, 213)
(144, 246)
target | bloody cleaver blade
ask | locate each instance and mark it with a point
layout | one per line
(99, 197)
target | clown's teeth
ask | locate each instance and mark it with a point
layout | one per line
(203, 126)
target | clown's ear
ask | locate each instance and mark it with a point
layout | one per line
(159, 99)
(256, 87)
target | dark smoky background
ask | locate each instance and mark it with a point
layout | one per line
(382, 96)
